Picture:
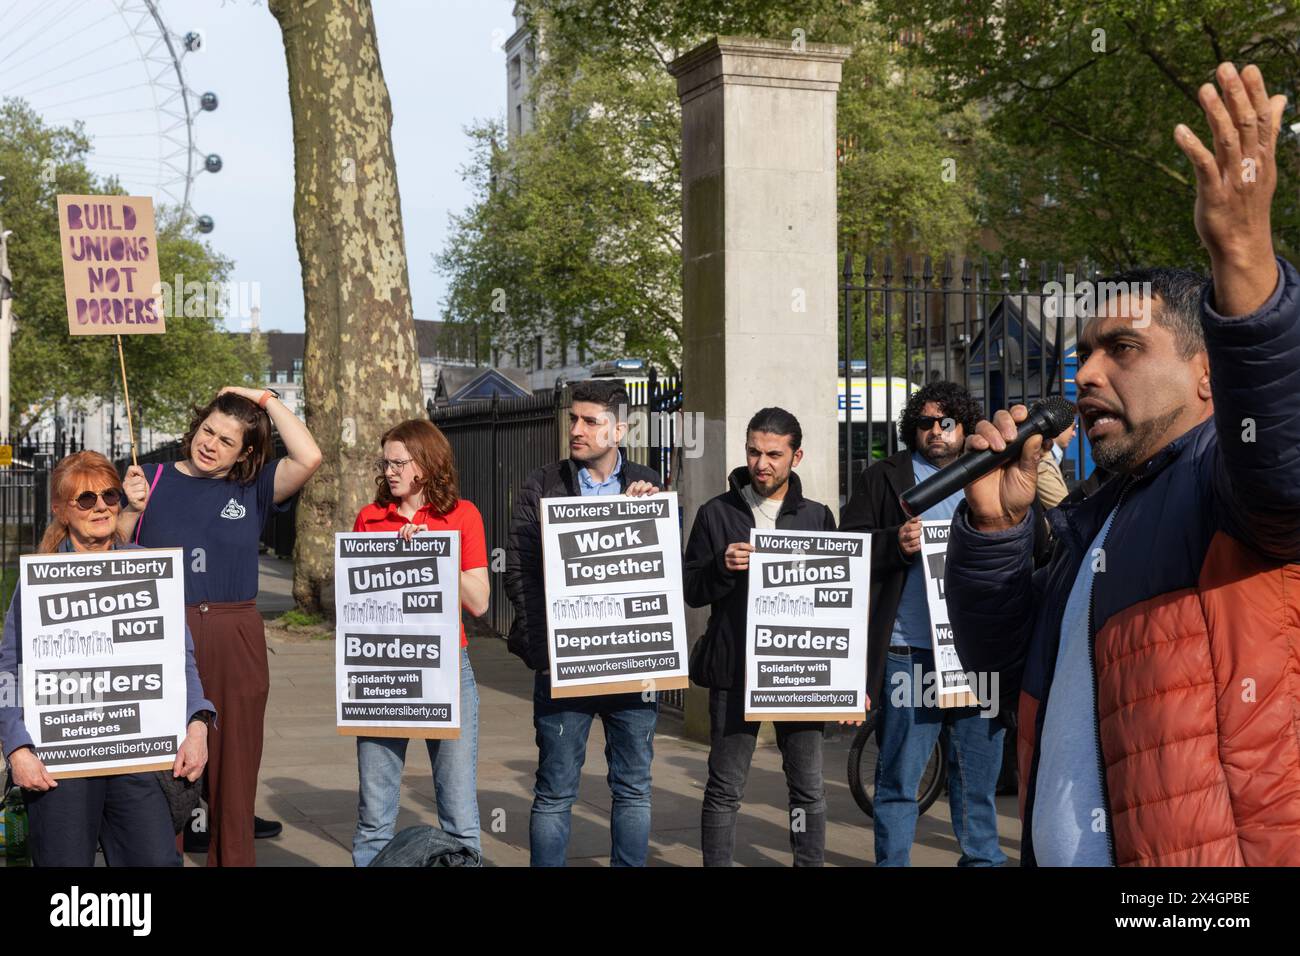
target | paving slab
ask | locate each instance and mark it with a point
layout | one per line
(309, 778)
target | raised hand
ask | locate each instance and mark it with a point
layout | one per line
(252, 394)
(1000, 499)
(1235, 185)
(136, 487)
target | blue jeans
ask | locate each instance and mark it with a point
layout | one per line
(562, 728)
(455, 779)
(906, 735)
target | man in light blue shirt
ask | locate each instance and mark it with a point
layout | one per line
(588, 485)
(933, 428)
(595, 466)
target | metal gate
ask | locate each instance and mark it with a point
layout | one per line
(25, 504)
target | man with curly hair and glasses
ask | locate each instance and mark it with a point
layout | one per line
(933, 430)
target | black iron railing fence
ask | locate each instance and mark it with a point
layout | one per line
(25, 501)
(1004, 336)
(498, 443)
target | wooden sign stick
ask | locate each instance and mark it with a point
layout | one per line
(126, 396)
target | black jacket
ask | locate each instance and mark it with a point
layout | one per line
(874, 507)
(524, 581)
(718, 659)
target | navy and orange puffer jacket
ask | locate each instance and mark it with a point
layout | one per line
(1194, 621)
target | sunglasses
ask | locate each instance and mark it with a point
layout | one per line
(86, 500)
(926, 422)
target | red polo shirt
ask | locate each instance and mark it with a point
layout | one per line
(463, 518)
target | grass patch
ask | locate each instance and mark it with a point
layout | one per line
(297, 617)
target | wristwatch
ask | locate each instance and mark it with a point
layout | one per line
(267, 395)
(202, 716)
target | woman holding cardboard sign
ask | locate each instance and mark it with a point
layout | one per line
(416, 490)
(127, 813)
(214, 503)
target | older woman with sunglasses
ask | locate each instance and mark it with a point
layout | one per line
(127, 814)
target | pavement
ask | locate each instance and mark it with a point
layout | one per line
(309, 775)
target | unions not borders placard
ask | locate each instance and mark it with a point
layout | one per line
(397, 639)
(110, 265)
(103, 669)
(806, 627)
(952, 683)
(615, 617)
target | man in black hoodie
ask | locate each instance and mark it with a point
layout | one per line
(764, 494)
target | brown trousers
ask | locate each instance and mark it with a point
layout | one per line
(230, 651)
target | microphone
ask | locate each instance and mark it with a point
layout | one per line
(1048, 418)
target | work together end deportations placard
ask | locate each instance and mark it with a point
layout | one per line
(110, 265)
(615, 619)
(397, 647)
(103, 670)
(806, 639)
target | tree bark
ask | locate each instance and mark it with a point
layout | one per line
(361, 368)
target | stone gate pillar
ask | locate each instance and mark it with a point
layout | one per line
(759, 260)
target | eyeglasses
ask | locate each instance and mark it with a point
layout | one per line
(926, 422)
(86, 500)
(383, 464)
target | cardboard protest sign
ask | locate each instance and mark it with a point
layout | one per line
(806, 628)
(615, 618)
(110, 265)
(952, 682)
(397, 648)
(103, 670)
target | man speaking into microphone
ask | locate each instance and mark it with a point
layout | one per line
(1157, 653)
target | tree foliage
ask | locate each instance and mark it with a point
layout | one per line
(1082, 97)
(165, 372)
(575, 229)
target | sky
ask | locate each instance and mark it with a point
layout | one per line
(442, 61)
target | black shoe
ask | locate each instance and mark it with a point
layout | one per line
(196, 841)
(264, 829)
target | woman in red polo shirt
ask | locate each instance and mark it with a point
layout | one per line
(417, 491)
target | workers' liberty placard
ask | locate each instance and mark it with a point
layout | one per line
(952, 683)
(103, 668)
(806, 630)
(111, 278)
(615, 618)
(397, 641)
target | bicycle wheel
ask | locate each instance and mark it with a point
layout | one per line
(863, 757)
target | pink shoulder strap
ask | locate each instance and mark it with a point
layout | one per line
(138, 521)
